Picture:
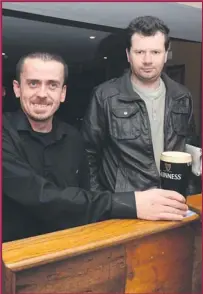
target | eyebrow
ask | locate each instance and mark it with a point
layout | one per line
(32, 80)
(54, 81)
(49, 81)
(153, 49)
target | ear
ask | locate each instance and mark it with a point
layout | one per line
(16, 88)
(3, 91)
(127, 54)
(166, 56)
(63, 94)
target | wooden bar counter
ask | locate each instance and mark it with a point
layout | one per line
(195, 204)
(123, 256)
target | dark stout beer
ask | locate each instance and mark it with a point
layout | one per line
(175, 169)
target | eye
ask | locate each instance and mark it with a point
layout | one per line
(33, 84)
(139, 52)
(52, 86)
(155, 52)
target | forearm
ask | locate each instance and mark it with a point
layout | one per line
(47, 201)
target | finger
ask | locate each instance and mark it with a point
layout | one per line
(172, 210)
(174, 204)
(170, 216)
(173, 195)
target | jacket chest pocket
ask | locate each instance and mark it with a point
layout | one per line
(125, 123)
(180, 120)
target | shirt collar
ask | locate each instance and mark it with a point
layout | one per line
(21, 123)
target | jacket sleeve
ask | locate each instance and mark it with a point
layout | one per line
(191, 136)
(84, 175)
(93, 131)
(48, 202)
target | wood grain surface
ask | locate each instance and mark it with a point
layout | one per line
(26, 253)
(197, 259)
(161, 263)
(195, 203)
(103, 271)
(115, 256)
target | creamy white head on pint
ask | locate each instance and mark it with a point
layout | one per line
(176, 157)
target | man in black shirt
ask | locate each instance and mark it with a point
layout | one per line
(45, 174)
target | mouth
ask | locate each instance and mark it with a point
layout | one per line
(147, 69)
(40, 106)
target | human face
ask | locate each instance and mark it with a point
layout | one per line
(41, 88)
(147, 56)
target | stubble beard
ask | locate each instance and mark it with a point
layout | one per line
(145, 79)
(39, 119)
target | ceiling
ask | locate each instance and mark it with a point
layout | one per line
(193, 4)
(27, 35)
(23, 35)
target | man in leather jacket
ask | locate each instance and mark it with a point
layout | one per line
(132, 119)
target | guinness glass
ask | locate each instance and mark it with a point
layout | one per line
(175, 169)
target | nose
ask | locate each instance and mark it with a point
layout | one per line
(147, 58)
(42, 92)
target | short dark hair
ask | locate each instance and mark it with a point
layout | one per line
(147, 26)
(45, 56)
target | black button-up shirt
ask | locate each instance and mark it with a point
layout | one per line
(45, 181)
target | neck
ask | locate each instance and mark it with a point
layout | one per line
(41, 126)
(151, 85)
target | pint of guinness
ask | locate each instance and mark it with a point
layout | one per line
(175, 169)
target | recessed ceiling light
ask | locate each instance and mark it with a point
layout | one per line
(92, 37)
(3, 53)
(105, 57)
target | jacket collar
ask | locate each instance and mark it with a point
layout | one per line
(173, 89)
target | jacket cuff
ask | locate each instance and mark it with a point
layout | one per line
(123, 205)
